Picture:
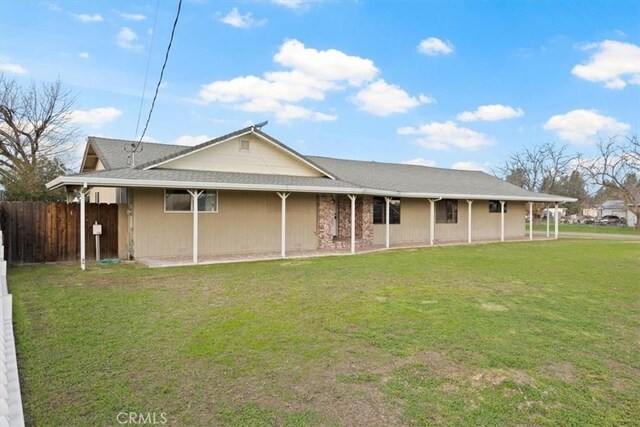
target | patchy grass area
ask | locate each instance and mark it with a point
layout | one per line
(542, 333)
(585, 228)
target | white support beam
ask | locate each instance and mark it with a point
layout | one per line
(556, 219)
(83, 246)
(432, 219)
(195, 194)
(502, 202)
(283, 223)
(469, 202)
(548, 220)
(352, 197)
(387, 200)
(530, 220)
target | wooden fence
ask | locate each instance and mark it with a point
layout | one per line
(49, 232)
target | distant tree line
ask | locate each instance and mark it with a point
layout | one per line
(549, 168)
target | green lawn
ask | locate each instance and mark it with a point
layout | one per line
(585, 228)
(529, 333)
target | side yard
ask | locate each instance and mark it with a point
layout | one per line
(542, 333)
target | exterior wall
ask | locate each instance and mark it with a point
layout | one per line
(262, 157)
(413, 227)
(414, 223)
(246, 222)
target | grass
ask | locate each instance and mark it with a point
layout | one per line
(542, 333)
(586, 228)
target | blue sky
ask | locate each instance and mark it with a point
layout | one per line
(444, 83)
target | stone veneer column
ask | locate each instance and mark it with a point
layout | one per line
(325, 221)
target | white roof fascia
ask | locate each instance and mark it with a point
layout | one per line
(121, 182)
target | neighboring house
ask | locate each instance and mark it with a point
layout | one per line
(561, 212)
(256, 195)
(619, 209)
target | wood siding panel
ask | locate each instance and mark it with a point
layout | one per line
(262, 157)
(246, 222)
(414, 227)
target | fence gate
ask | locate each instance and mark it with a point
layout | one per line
(49, 232)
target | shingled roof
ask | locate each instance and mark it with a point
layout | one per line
(358, 177)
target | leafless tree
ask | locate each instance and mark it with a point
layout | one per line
(35, 123)
(617, 168)
(539, 168)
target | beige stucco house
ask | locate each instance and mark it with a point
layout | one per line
(256, 195)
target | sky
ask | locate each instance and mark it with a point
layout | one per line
(459, 84)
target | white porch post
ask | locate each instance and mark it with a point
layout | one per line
(194, 206)
(548, 220)
(352, 197)
(530, 220)
(83, 264)
(556, 218)
(470, 202)
(283, 224)
(387, 200)
(502, 202)
(432, 220)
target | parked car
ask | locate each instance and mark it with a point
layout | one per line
(610, 220)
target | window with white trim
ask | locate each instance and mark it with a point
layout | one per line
(180, 201)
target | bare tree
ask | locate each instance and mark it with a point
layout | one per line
(540, 168)
(617, 169)
(35, 123)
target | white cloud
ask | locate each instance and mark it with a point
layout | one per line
(291, 4)
(126, 39)
(83, 17)
(433, 46)
(330, 65)
(95, 117)
(84, 55)
(131, 16)
(491, 113)
(419, 161)
(470, 166)
(235, 19)
(53, 6)
(447, 135)
(189, 140)
(382, 99)
(12, 68)
(280, 85)
(614, 63)
(284, 112)
(580, 126)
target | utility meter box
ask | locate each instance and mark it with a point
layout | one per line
(97, 229)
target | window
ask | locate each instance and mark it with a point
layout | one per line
(380, 210)
(447, 211)
(244, 145)
(494, 206)
(180, 201)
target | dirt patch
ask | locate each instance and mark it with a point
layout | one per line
(437, 363)
(563, 371)
(495, 377)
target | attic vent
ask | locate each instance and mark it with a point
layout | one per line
(244, 145)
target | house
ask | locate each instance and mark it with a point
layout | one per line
(256, 195)
(619, 209)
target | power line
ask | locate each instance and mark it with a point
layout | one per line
(146, 74)
(155, 96)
